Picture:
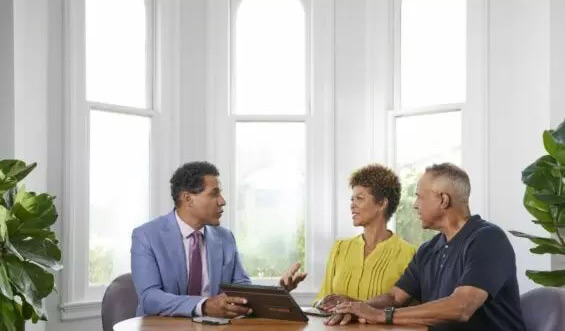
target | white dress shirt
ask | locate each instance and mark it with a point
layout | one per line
(186, 231)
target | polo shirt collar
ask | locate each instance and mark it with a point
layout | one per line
(464, 232)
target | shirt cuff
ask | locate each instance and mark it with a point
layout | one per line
(198, 310)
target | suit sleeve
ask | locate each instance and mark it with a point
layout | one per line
(148, 285)
(239, 274)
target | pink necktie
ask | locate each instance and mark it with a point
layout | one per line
(195, 271)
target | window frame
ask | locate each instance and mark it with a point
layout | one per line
(78, 299)
(234, 118)
(318, 118)
(396, 111)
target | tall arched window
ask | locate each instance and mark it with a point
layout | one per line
(269, 58)
(269, 114)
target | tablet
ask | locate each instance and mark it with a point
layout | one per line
(267, 301)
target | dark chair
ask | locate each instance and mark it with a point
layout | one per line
(119, 302)
(543, 309)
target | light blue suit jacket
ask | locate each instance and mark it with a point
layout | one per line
(158, 265)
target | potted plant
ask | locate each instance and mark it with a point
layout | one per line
(545, 200)
(29, 250)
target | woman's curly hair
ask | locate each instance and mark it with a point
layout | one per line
(382, 182)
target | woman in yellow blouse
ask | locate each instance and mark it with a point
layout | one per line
(369, 264)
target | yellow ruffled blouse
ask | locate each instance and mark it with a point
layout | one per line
(349, 273)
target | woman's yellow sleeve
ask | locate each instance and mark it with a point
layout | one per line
(327, 287)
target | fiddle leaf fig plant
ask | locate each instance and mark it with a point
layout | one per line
(544, 199)
(29, 251)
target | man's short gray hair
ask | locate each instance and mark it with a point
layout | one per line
(457, 177)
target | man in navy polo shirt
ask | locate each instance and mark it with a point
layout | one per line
(465, 277)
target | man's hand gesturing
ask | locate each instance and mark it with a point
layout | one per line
(292, 277)
(223, 306)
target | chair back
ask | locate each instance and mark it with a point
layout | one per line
(543, 309)
(119, 302)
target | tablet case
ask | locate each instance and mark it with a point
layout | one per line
(267, 301)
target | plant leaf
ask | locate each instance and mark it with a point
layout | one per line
(10, 248)
(16, 168)
(9, 197)
(550, 199)
(22, 234)
(547, 278)
(6, 182)
(553, 146)
(539, 175)
(31, 281)
(548, 249)
(10, 312)
(34, 311)
(5, 288)
(548, 226)
(34, 211)
(558, 215)
(537, 208)
(554, 142)
(4, 217)
(42, 251)
(539, 240)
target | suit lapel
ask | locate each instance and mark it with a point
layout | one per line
(172, 240)
(214, 254)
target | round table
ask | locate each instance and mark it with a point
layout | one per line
(154, 323)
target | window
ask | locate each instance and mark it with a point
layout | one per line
(118, 94)
(430, 76)
(270, 125)
(110, 141)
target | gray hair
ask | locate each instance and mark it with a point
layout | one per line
(456, 177)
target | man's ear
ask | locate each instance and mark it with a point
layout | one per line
(445, 200)
(187, 197)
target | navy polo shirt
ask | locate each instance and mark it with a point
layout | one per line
(479, 255)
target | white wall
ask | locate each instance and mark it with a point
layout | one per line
(557, 73)
(352, 112)
(6, 78)
(193, 80)
(362, 72)
(518, 112)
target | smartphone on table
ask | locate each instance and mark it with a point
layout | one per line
(211, 320)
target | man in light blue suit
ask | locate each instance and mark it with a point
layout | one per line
(179, 260)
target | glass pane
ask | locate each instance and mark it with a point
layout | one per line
(420, 142)
(270, 200)
(119, 190)
(270, 58)
(115, 52)
(433, 46)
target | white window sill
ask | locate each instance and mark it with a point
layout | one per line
(80, 310)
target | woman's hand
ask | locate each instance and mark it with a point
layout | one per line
(341, 319)
(364, 312)
(329, 302)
